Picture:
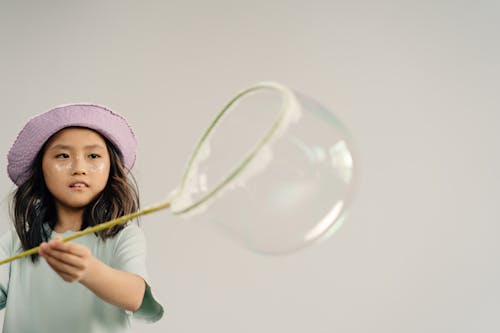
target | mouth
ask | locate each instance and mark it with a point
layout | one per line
(78, 184)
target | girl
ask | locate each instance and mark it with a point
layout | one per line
(71, 167)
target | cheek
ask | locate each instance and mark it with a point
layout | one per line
(51, 171)
(58, 168)
(101, 170)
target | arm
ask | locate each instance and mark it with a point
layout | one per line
(5, 251)
(74, 263)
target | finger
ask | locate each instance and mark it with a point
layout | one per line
(66, 258)
(66, 271)
(56, 250)
(76, 249)
(58, 244)
(68, 278)
(43, 249)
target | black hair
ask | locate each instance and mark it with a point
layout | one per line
(33, 209)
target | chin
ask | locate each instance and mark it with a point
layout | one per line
(75, 205)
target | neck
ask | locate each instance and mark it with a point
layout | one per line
(68, 219)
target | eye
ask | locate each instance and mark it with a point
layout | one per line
(94, 156)
(62, 155)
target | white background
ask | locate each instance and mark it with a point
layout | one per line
(417, 82)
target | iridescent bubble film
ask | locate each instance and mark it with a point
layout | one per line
(276, 171)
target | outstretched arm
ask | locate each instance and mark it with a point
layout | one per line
(75, 263)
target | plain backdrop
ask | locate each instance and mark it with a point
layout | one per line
(417, 83)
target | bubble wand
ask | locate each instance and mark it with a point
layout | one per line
(188, 198)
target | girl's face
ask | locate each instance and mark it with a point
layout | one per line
(75, 167)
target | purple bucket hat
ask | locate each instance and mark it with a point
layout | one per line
(41, 127)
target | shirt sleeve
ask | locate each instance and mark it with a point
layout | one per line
(130, 256)
(5, 252)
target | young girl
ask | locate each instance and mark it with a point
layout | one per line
(71, 167)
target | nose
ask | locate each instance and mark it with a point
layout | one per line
(78, 167)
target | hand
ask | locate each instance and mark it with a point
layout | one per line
(71, 261)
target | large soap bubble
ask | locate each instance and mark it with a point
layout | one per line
(276, 170)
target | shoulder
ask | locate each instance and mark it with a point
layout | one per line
(129, 239)
(129, 250)
(131, 233)
(9, 242)
(131, 229)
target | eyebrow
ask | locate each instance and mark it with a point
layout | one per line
(62, 146)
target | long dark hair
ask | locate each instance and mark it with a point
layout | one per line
(33, 209)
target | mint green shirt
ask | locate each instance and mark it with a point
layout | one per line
(36, 299)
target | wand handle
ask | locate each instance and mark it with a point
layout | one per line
(97, 228)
